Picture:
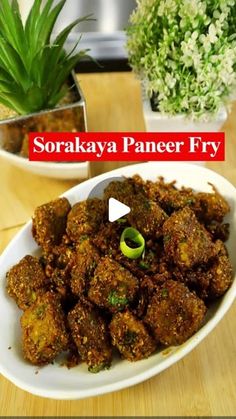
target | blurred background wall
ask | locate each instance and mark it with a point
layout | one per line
(105, 36)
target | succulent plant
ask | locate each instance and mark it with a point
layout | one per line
(185, 53)
(34, 66)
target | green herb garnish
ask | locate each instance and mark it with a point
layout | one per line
(166, 239)
(129, 337)
(40, 311)
(144, 265)
(121, 221)
(164, 292)
(190, 201)
(98, 368)
(115, 300)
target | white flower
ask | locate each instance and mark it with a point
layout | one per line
(170, 80)
(212, 33)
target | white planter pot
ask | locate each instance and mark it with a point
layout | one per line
(157, 122)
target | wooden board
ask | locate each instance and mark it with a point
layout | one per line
(204, 382)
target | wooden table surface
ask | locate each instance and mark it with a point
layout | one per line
(204, 382)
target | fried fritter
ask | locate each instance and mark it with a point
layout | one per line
(90, 333)
(25, 281)
(197, 279)
(147, 217)
(49, 223)
(58, 264)
(113, 287)
(85, 218)
(218, 231)
(123, 191)
(168, 196)
(87, 258)
(130, 337)
(174, 313)
(44, 334)
(211, 206)
(186, 241)
(221, 272)
(211, 280)
(107, 239)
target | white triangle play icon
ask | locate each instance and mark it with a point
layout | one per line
(117, 210)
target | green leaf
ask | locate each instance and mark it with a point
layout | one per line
(47, 21)
(5, 87)
(12, 102)
(11, 26)
(62, 37)
(30, 24)
(12, 63)
(64, 69)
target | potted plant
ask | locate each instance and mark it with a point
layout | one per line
(184, 51)
(38, 89)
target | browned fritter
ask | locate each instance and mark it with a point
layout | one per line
(107, 239)
(73, 358)
(130, 337)
(123, 191)
(168, 196)
(186, 241)
(87, 258)
(221, 272)
(90, 333)
(49, 223)
(113, 287)
(211, 206)
(218, 231)
(211, 280)
(197, 279)
(147, 217)
(61, 256)
(148, 265)
(58, 264)
(174, 313)
(44, 334)
(25, 281)
(85, 218)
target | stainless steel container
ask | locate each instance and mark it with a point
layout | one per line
(65, 117)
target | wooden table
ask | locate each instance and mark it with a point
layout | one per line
(203, 383)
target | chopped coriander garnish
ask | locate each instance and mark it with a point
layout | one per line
(83, 238)
(190, 201)
(129, 337)
(121, 221)
(115, 300)
(166, 239)
(144, 265)
(164, 293)
(98, 368)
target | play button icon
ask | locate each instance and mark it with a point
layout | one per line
(117, 210)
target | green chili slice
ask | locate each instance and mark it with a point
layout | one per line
(133, 235)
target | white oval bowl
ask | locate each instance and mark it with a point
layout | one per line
(58, 382)
(48, 169)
